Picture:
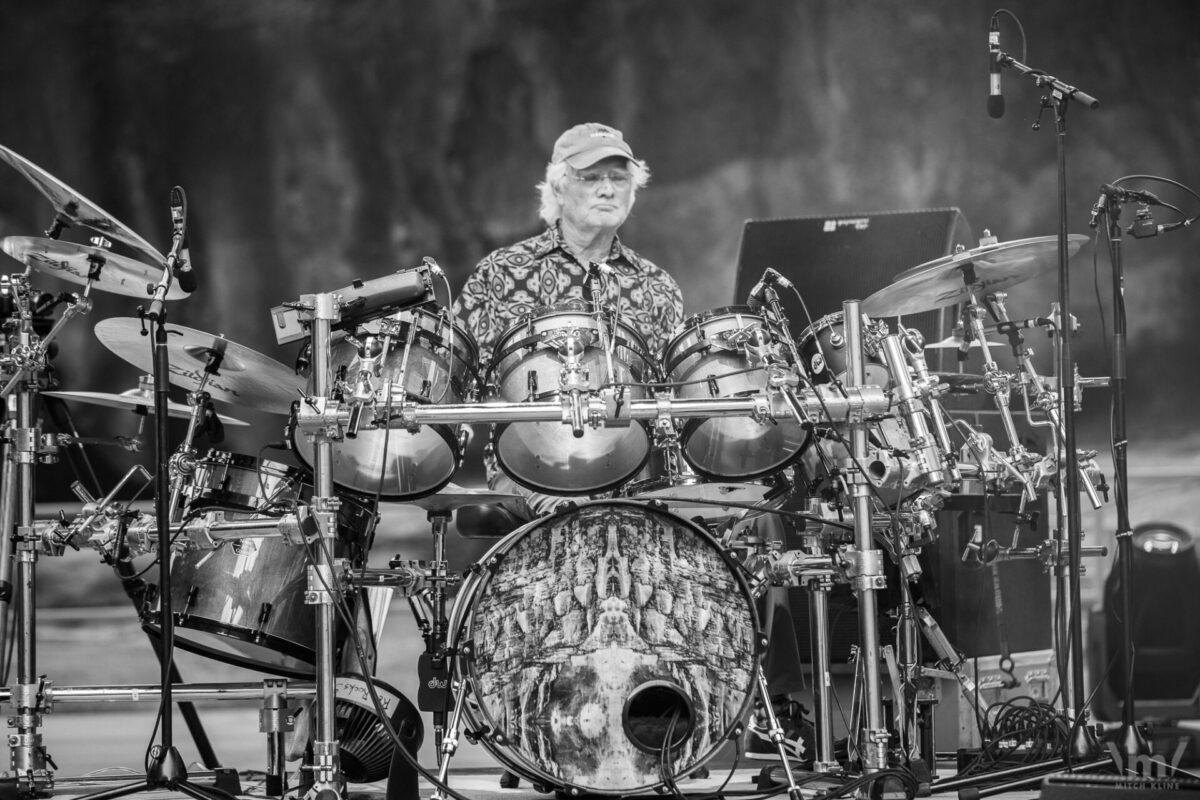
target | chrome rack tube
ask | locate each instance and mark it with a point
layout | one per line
(866, 562)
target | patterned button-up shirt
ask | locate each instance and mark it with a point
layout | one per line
(511, 282)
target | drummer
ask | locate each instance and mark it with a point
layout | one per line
(589, 189)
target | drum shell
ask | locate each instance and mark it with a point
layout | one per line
(702, 360)
(399, 464)
(546, 456)
(242, 602)
(577, 610)
(822, 347)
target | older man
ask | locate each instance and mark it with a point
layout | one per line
(589, 189)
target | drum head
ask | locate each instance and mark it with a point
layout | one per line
(606, 639)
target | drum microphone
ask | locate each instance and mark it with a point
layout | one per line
(181, 268)
(771, 276)
(995, 98)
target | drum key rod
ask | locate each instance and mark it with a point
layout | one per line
(867, 560)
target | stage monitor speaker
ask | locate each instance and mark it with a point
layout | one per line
(836, 257)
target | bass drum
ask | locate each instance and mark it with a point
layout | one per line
(396, 463)
(603, 642)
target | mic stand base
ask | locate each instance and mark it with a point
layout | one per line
(167, 771)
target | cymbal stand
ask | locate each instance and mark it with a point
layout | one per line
(26, 447)
(433, 665)
(182, 465)
(323, 310)
(865, 562)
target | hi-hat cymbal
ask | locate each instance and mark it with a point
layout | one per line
(245, 377)
(72, 262)
(980, 271)
(73, 207)
(135, 400)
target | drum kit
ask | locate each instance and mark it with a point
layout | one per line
(612, 646)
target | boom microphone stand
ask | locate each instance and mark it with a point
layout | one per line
(166, 769)
(1083, 745)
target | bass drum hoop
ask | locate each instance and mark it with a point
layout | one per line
(462, 618)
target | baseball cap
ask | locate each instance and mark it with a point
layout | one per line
(584, 145)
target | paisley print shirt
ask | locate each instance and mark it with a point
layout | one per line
(540, 271)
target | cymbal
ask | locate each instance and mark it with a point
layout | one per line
(453, 497)
(75, 208)
(982, 270)
(135, 400)
(74, 262)
(245, 377)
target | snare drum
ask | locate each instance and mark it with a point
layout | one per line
(439, 367)
(708, 358)
(667, 478)
(528, 366)
(610, 643)
(242, 602)
(822, 346)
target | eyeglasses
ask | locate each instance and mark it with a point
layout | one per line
(620, 179)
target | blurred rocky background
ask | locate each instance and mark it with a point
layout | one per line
(329, 140)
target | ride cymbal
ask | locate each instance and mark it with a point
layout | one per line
(980, 271)
(80, 263)
(244, 377)
(135, 400)
(74, 208)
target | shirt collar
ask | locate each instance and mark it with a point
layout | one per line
(553, 240)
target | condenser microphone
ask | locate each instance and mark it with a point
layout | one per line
(185, 278)
(995, 98)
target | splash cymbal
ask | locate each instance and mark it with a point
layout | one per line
(79, 263)
(135, 400)
(980, 271)
(245, 377)
(74, 208)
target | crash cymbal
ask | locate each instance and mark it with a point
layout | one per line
(980, 271)
(76, 262)
(74, 208)
(135, 400)
(245, 377)
(453, 497)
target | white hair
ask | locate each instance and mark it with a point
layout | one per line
(551, 207)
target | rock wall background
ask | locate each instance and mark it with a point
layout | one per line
(328, 140)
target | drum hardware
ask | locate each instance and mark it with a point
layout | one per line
(929, 458)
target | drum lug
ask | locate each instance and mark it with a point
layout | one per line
(264, 616)
(189, 603)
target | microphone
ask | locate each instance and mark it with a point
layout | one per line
(182, 266)
(1125, 195)
(995, 98)
(1101, 203)
(771, 276)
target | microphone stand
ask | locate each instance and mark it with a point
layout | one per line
(1130, 740)
(166, 769)
(1083, 745)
